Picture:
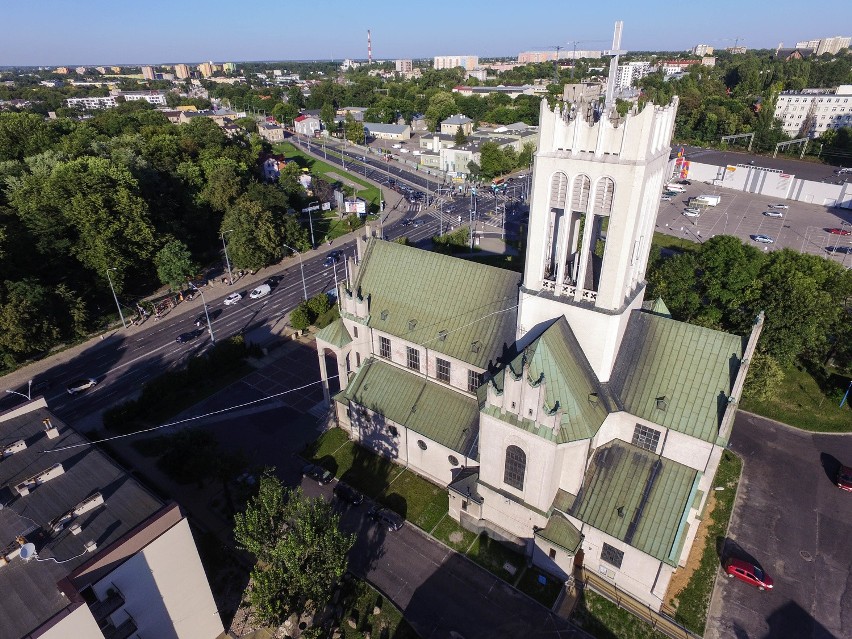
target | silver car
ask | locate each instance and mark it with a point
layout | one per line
(80, 385)
(763, 239)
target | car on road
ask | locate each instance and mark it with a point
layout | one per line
(405, 222)
(691, 211)
(183, 338)
(348, 494)
(385, 517)
(331, 258)
(747, 572)
(666, 198)
(844, 478)
(80, 385)
(319, 474)
(773, 213)
(261, 291)
(418, 222)
(684, 182)
(763, 239)
(233, 298)
(782, 207)
(839, 231)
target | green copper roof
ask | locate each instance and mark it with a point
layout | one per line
(658, 307)
(689, 369)
(460, 308)
(637, 497)
(431, 409)
(561, 532)
(335, 334)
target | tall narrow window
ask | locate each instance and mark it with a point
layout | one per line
(357, 358)
(474, 380)
(413, 358)
(443, 370)
(384, 347)
(516, 465)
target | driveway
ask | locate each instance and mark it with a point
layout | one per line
(792, 520)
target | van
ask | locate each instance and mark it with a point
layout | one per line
(677, 188)
(261, 291)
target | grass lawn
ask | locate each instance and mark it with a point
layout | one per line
(360, 603)
(601, 618)
(692, 602)
(546, 593)
(454, 535)
(419, 501)
(663, 241)
(801, 402)
(492, 555)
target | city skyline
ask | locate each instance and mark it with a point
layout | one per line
(46, 34)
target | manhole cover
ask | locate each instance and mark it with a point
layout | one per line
(806, 555)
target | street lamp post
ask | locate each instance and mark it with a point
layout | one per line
(206, 312)
(311, 223)
(29, 394)
(302, 268)
(115, 297)
(227, 260)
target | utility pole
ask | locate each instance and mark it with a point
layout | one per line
(227, 260)
(115, 297)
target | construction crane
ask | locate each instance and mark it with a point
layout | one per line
(574, 44)
(556, 65)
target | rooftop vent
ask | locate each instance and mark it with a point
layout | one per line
(442, 335)
(662, 403)
(49, 429)
(593, 399)
(91, 546)
(44, 476)
(412, 324)
(384, 315)
(17, 447)
(475, 346)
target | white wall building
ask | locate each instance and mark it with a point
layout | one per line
(404, 66)
(107, 102)
(825, 45)
(811, 112)
(629, 72)
(466, 62)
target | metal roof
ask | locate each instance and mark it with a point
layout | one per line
(456, 307)
(458, 118)
(638, 497)
(561, 532)
(435, 411)
(379, 127)
(676, 374)
(335, 334)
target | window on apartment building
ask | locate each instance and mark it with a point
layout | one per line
(516, 465)
(645, 437)
(443, 370)
(413, 358)
(474, 380)
(464, 504)
(612, 556)
(384, 347)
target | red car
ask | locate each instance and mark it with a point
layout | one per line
(844, 478)
(749, 573)
(839, 231)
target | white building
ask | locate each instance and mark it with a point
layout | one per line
(825, 45)
(107, 102)
(811, 112)
(702, 50)
(563, 414)
(629, 72)
(87, 552)
(404, 66)
(466, 62)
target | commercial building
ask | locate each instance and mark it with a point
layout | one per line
(87, 552)
(466, 62)
(404, 66)
(810, 112)
(182, 71)
(381, 131)
(825, 45)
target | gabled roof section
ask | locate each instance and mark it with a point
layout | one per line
(431, 409)
(456, 307)
(657, 307)
(675, 374)
(637, 497)
(561, 532)
(335, 334)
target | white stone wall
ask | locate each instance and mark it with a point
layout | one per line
(79, 624)
(513, 517)
(559, 566)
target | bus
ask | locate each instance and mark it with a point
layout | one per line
(498, 183)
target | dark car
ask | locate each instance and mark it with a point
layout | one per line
(749, 573)
(183, 338)
(684, 182)
(319, 474)
(419, 222)
(331, 258)
(405, 222)
(348, 494)
(844, 478)
(387, 518)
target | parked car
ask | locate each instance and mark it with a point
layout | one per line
(261, 291)
(691, 211)
(233, 298)
(80, 385)
(387, 518)
(748, 572)
(783, 207)
(183, 338)
(773, 213)
(684, 182)
(763, 239)
(839, 231)
(670, 193)
(666, 198)
(844, 478)
(319, 474)
(348, 494)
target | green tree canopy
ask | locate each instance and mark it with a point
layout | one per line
(174, 264)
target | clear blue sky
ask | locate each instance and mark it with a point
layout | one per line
(54, 32)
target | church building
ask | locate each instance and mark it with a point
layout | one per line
(563, 412)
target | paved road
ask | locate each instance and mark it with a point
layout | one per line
(792, 520)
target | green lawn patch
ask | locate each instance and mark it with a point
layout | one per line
(692, 602)
(544, 593)
(360, 604)
(451, 533)
(327, 443)
(807, 403)
(671, 242)
(420, 501)
(601, 618)
(492, 555)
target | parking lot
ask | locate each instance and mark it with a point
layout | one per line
(803, 227)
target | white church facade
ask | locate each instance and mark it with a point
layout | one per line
(562, 412)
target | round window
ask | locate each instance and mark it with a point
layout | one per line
(421, 444)
(453, 460)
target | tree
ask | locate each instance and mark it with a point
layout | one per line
(256, 238)
(490, 160)
(300, 317)
(300, 550)
(764, 377)
(441, 106)
(354, 130)
(460, 138)
(174, 264)
(27, 322)
(674, 280)
(327, 115)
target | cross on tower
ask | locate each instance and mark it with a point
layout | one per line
(613, 65)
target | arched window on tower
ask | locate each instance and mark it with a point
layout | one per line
(555, 217)
(599, 218)
(516, 465)
(580, 190)
(603, 196)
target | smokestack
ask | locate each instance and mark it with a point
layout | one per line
(369, 48)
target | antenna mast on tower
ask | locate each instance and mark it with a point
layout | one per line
(369, 48)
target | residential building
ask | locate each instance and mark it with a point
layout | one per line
(452, 124)
(702, 50)
(589, 92)
(629, 72)
(418, 123)
(793, 54)
(357, 113)
(106, 102)
(102, 70)
(671, 67)
(404, 66)
(810, 112)
(563, 414)
(478, 73)
(182, 71)
(206, 69)
(349, 64)
(736, 50)
(152, 97)
(307, 124)
(528, 57)
(271, 132)
(512, 91)
(80, 70)
(115, 69)
(229, 67)
(466, 62)
(61, 70)
(148, 73)
(87, 552)
(825, 45)
(380, 131)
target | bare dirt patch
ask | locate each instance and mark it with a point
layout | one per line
(681, 578)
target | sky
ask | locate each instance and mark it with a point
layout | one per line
(89, 32)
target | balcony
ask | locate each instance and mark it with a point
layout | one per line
(103, 609)
(121, 632)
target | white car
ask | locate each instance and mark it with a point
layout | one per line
(691, 211)
(403, 150)
(666, 198)
(80, 385)
(773, 213)
(782, 207)
(233, 298)
(261, 291)
(763, 239)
